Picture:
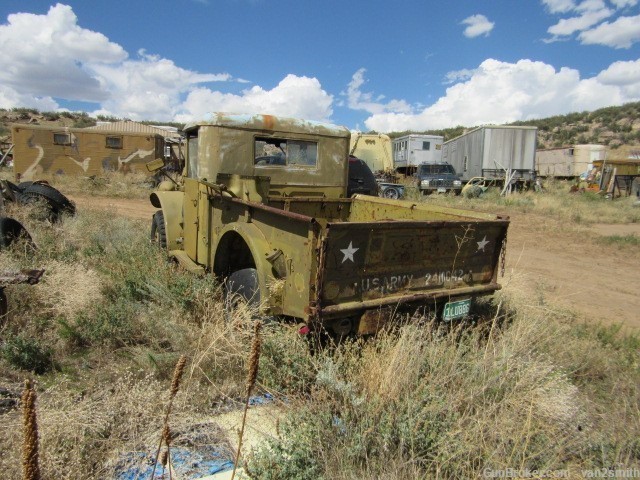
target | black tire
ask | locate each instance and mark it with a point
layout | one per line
(59, 203)
(14, 188)
(11, 231)
(41, 207)
(3, 306)
(241, 287)
(23, 185)
(392, 193)
(158, 229)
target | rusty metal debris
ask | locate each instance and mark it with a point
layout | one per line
(30, 277)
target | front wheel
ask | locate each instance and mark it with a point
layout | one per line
(158, 230)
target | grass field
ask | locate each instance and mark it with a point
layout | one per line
(525, 388)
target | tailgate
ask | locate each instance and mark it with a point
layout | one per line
(373, 264)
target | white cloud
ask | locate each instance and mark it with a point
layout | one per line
(294, 96)
(62, 61)
(559, 6)
(358, 100)
(567, 26)
(45, 55)
(477, 25)
(624, 3)
(622, 33)
(458, 75)
(625, 75)
(148, 87)
(501, 92)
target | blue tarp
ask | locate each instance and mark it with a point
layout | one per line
(187, 464)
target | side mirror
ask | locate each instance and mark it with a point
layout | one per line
(155, 165)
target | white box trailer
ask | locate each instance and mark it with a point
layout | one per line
(490, 150)
(410, 151)
(566, 162)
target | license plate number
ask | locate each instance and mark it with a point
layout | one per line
(456, 310)
(442, 190)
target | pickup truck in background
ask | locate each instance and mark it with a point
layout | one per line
(438, 177)
(264, 207)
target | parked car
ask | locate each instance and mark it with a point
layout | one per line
(438, 177)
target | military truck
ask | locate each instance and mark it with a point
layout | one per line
(264, 206)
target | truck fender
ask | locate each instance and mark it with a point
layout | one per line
(258, 247)
(171, 204)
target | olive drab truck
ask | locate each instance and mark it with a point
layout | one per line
(263, 206)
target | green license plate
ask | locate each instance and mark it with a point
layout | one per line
(455, 310)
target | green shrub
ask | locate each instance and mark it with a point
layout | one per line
(28, 354)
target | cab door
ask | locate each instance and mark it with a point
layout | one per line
(191, 221)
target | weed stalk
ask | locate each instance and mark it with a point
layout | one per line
(30, 465)
(252, 375)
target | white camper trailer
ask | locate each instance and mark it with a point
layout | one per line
(410, 151)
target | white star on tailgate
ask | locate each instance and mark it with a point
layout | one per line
(483, 243)
(348, 252)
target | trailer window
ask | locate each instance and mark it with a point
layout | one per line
(278, 151)
(114, 142)
(426, 145)
(62, 138)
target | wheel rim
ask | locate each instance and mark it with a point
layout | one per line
(391, 193)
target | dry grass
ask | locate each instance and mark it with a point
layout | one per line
(531, 387)
(107, 184)
(555, 202)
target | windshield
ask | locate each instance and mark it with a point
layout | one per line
(434, 169)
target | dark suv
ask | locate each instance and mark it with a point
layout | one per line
(361, 179)
(438, 177)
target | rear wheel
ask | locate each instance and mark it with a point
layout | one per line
(158, 229)
(242, 296)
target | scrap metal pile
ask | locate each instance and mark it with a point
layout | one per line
(48, 204)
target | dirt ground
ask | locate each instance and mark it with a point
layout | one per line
(559, 267)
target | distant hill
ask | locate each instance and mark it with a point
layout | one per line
(612, 126)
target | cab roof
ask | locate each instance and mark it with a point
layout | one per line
(270, 123)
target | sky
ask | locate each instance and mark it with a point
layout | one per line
(368, 65)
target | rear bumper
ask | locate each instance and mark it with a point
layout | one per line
(346, 309)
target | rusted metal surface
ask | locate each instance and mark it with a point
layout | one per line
(374, 320)
(23, 276)
(426, 298)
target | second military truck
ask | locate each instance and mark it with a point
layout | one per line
(264, 206)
